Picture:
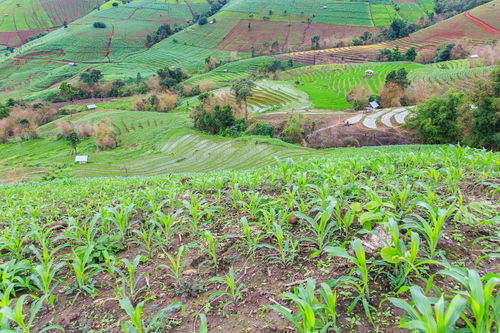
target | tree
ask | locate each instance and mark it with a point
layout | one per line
(99, 25)
(73, 141)
(4, 111)
(249, 26)
(202, 21)
(399, 77)
(480, 122)
(91, 77)
(242, 89)
(67, 91)
(444, 52)
(65, 24)
(315, 42)
(435, 121)
(411, 54)
(398, 29)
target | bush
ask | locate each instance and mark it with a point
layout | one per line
(260, 128)
(216, 121)
(203, 20)
(436, 120)
(99, 25)
(104, 138)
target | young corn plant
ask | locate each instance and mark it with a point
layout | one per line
(210, 248)
(131, 280)
(176, 265)
(250, 237)
(402, 257)
(84, 270)
(167, 223)
(23, 321)
(119, 217)
(358, 283)
(136, 323)
(233, 289)
(429, 315)
(322, 226)
(313, 314)
(482, 305)
(431, 227)
(286, 247)
(43, 278)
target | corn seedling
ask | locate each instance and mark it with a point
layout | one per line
(313, 314)
(136, 324)
(360, 282)
(286, 247)
(431, 227)
(25, 322)
(429, 315)
(84, 270)
(176, 265)
(233, 289)
(482, 304)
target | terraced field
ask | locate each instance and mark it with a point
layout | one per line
(150, 144)
(273, 96)
(22, 19)
(328, 85)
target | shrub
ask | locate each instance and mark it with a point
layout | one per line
(102, 133)
(65, 128)
(260, 128)
(435, 121)
(84, 130)
(203, 20)
(99, 25)
(294, 130)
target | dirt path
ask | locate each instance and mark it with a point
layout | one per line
(131, 14)
(481, 23)
(193, 14)
(108, 47)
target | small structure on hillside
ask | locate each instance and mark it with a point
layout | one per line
(72, 64)
(473, 56)
(373, 106)
(91, 107)
(369, 73)
(84, 159)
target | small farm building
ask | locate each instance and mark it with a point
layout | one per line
(84, 159)
(91, 107)
(369, 73)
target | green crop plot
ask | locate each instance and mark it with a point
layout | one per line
(23, 15)
(410, 11)
(328, 85)
(383, 15)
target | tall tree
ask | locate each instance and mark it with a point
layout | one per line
(242, 89)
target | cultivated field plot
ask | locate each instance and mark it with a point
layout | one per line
(328, 85)
(68, 10)
(232, 251)
(125, 32)
(272, 96)
(290, 36)
(488, 13)
(151, 143)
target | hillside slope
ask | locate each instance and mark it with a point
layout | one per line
(21, 20)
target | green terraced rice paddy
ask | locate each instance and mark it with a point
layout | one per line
(327, 85)
(151, 143)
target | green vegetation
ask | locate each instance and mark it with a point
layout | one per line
(363, 225)
(471, 119)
